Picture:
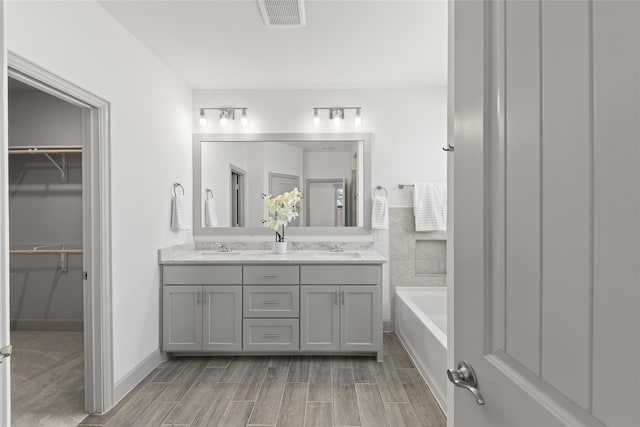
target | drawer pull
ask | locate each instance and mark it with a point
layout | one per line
(270, 276)
(270, 302)
(271, 335)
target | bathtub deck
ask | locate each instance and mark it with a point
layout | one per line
(282, 391)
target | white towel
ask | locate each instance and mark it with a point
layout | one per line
(180, 217)
(380, 213)
(210, 216)
(430, 206)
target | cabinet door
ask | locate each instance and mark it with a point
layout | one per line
(182, 318)
(360, 318)
(222, 309)
(319, 318)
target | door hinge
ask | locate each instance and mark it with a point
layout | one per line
(85, 275)
(5, 352)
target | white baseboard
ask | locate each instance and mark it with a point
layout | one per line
(387, 326)
(125, 384)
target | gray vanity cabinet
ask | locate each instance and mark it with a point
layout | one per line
(222, 318)
(320, 318)
(360, 319)
(202, 318)
(340, 308)
(182, 318)
(323, 308)
(201, 308)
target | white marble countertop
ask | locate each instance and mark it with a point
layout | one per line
(192, 256)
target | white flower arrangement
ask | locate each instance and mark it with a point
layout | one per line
(282, 210)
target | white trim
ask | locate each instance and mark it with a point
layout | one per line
(5, 377)
(199, 231)
(97, 227)
(136, 375)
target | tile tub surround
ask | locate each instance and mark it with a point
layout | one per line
(280, 390)
(416, 259)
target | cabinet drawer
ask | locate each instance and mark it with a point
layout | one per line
(271, 275)
(202, 275)
(271, 335)
(340, 274)
(271, 301)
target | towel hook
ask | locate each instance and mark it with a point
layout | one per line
(380, 187)
(175, 185)
(449, 147)
(208, 192)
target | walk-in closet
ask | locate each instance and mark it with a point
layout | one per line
(46, 137)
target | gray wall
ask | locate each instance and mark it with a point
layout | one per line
(42, 210)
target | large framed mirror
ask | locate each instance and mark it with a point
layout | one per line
(232, 171)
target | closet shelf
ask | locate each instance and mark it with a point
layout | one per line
(45, 251)
(42, 150)
(62, 151)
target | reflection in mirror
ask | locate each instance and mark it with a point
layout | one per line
(237, 173)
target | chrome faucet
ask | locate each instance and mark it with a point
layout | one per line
(224, 247)
(336, 247)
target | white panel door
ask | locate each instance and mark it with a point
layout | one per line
(547, 212)
(222, 318)
(182, 318)
(360, 318)
(319, 318)
(5, 387)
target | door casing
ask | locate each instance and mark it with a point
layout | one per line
(96, 225)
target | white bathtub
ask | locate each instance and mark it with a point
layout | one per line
(421, 324)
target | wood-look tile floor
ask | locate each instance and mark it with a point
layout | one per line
(280, 391)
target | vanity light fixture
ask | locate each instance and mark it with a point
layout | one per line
(244, 120)
(336, 114)
(358, 120)
(226, 114)
(224, 118)
(316, 118)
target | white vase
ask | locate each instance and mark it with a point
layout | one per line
(280, 248)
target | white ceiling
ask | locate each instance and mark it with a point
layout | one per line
(345, 45)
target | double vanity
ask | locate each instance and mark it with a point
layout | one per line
(257, 302)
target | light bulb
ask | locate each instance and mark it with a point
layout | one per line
(337, 119)
(244, 120)
(358, 120)
(223, 119)
(316, 118)
(203, 118)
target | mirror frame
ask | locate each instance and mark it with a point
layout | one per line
(199, 138)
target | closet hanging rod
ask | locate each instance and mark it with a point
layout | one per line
(45, 251)
(44, 150)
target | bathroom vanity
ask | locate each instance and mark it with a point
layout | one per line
(256, 302)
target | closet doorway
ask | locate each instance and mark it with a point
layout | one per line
(46, 137)
(60, 246)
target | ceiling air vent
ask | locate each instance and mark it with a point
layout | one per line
(282, 13)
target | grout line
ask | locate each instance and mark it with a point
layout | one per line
(306, 402)
(284, 390)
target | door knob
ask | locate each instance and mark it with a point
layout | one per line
(5, 352)
(465, 377)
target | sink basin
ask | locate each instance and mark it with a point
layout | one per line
(341, 255)
(214, 254)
